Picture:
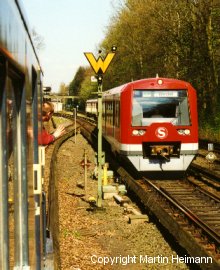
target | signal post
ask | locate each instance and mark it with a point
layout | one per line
(100, 66)
(100, 154)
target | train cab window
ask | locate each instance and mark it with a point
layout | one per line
(160, 106)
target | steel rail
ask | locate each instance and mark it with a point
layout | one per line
(204, 172)
(209, 194)
(215, 236)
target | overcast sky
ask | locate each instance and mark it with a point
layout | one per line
(69, 28)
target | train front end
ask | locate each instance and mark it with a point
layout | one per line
(163, 135)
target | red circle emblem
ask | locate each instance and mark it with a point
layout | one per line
(161, 133)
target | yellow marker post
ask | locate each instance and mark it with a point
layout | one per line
(105, 174)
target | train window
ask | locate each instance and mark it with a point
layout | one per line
(4, 245)
(35, 119)
(117, 113)
(160, 106)
(17, 160)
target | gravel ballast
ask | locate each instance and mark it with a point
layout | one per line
(101, 239)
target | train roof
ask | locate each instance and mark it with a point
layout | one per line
(13, 18)
(153, 83)
(91, 100)
(115, 90)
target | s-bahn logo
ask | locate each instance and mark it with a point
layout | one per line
(161, 132)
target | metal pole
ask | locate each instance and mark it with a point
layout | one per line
(20, 189)
(4, 225)
(85, 173)
(44, 222)
(99, 199)
(37, 160)
(75, 123)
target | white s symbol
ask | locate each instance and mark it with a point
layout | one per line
(161, 132)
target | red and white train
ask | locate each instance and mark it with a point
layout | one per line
(153, 123)
(92, 108)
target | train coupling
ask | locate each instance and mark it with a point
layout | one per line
(163, 151)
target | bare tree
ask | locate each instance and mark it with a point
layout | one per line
(38, 40)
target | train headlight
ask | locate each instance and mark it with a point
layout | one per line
(184, 131)
(187, 132)
(139, 132)
(180, 131)
(160, 81)
(135, 132)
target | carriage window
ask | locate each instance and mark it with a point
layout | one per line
(11, 127)
(160, 106)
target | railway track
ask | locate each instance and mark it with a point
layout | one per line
(204, 145)
(188, 213)
(201, 208)
(205, 175)
(184, 207)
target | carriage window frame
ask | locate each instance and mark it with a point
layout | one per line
(35, 112)
(4, 218)
(3, 122)
(15, 79)
(18, 118)
(170, 105)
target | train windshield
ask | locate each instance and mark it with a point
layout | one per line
(151, 106)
